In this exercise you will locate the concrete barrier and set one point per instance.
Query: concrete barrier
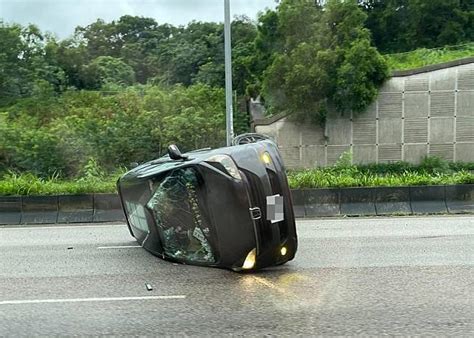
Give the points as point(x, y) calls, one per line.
point(460, 198)
point(392, 201)
point(357, 201)
point(39, 209)
point(298, 198)
point(454, 199)
point(10, 210)
point(428, 199)
point(322, 202)
point(107, 208)
point(75, 208)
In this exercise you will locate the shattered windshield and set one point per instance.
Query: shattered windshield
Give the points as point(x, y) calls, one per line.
point(181, 218)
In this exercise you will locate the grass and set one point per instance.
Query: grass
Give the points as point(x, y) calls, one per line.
point(14, 184)
point(432, 171)
point(330, 178)
point(423, 57)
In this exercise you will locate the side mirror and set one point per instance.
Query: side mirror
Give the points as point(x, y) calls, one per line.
point(175, 154)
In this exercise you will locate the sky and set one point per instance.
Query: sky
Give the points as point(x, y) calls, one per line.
point(62, 16)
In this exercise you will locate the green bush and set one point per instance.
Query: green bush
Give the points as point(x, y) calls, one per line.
point(329, 178)
point(434, 165)
point(327, 61)
point(30, 184)
point(59, 135)
point(92, 179)
point(431, 171)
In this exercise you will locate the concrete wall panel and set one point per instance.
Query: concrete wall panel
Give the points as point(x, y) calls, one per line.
point(390, 131)
point(364, 131)
point(312, 134)
point(444, 79)
point(370, 113)
point(442, 104)
point(290, 133)
point(269, 130)
point(417, 113)
point(339, 131)
point(335, 152)
point(442, 130)
point(414, 153)
point(417, 83)
point(465, 104)
point(465, 129)
point(364, 154)
point(416, 104)
point(444, 151)
point(291, 155)
point(416, 130)
point(466, 77)
point(390, 105)
point(314, 156)
point(390, 153)
point(395, 84)
point(465, 152)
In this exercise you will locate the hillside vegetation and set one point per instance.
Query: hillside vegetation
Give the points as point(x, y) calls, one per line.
point(119, 92)
point(424, 57)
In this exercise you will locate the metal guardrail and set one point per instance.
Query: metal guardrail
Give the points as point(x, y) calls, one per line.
point(451, 199)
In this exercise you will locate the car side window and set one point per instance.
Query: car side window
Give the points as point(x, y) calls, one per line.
point(136, 215)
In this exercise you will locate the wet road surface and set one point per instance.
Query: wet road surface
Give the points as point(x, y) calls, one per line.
point(397, 276)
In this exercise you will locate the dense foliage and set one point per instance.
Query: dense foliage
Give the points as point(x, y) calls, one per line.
point(120, 53)
point(121, 91)
point(311, 33)
point(327, 60)
point(60, 134)
point(403, 25)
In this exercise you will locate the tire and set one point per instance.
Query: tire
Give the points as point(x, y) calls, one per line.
point(249, 138)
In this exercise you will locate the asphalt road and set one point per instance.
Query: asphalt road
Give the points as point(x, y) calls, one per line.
point(396, 276)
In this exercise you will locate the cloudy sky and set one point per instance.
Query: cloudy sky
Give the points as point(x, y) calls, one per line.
point(62, 16)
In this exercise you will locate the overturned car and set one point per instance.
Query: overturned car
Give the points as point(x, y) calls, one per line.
point(228, 207)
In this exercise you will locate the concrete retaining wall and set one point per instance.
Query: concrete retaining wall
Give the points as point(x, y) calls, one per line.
point(426, 111)
point(452, 199)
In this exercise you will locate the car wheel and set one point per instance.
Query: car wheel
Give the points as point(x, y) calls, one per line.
point(249, 138)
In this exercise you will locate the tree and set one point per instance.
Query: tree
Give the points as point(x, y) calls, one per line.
point(267, 43)
point(436, 23)
point(24, 63)
point(107, 70)
point(333, 64)
point(403, 25)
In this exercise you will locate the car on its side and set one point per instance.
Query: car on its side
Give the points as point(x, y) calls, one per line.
point(228, 207)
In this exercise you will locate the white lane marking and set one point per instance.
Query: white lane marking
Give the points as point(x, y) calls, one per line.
point(119, 247)
point(379, 218)
point(78, 300)
point(60, 227)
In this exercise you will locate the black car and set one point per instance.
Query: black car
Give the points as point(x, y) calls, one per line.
point(228, 207)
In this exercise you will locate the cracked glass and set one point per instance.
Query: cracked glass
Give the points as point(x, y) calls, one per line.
point(180, 215)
